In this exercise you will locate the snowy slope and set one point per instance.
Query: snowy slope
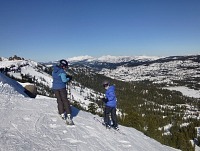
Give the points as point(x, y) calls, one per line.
point(9, 86)
point(27, 67)
point(33, 124)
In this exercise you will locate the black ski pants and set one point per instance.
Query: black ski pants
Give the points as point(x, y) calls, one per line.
point(110, 110)
point(62, 100)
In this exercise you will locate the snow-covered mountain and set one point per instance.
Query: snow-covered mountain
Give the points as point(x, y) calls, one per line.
point(168, 70)
point(171, 70)
point(111, 59)
point(34, 72)
point(18, 69)
point(34, 124)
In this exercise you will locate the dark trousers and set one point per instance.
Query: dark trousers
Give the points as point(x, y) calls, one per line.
point(110, 110)
point(63, 102)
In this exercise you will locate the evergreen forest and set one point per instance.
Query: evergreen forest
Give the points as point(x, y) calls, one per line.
point(149, 108)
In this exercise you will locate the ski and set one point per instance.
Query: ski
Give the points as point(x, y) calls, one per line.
point(111, 128)
point(96, 119)
point(70, 122)
point(99, 121)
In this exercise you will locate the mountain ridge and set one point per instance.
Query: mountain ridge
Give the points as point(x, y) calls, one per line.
point(171, 70)
point(110, 58)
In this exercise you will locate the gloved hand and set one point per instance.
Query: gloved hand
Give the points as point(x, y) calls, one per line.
point(105, 100)
point(69, 77)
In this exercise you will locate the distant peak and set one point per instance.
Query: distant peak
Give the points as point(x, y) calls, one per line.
point(143, 57)
point(115, 59)
point(111, 59)
point(80, 58)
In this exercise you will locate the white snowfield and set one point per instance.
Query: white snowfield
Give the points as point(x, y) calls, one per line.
point(33, 125)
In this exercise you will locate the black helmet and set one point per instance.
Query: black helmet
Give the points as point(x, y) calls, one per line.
point(106, 83)
point(63, 63)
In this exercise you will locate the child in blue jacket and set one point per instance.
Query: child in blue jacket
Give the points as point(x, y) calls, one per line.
point(110, 106)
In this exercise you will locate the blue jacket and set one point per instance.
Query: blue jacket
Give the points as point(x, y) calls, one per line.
point(110, 95)
point(59, 78)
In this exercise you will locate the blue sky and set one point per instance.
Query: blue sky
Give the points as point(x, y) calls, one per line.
point(47, 30)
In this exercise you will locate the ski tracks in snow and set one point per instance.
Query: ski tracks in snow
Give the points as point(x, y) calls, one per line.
point(34, 125)
point(110, 136)
point(31, 124)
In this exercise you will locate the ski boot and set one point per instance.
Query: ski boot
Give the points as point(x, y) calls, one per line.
point(69, 120)
point(63, 116)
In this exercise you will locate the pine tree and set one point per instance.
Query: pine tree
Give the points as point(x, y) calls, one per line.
point(92, 108)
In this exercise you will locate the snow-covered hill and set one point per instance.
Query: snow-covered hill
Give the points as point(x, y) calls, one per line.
point(33, 124)
point(110, 59)
point(171, 70)
point(33, 69)
point(9, 86)
point(165, 72)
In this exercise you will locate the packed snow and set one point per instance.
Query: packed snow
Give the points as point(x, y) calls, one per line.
point(34, 124)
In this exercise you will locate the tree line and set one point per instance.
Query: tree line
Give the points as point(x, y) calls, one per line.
point(149, 108)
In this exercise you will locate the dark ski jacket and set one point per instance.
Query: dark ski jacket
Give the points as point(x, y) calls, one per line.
point(59, 78)
point(110, 95)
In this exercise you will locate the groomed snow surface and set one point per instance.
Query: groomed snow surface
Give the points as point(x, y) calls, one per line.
point(33, 125)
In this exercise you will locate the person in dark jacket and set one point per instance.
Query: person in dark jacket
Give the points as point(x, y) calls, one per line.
point(110, 101)
point(60, 79)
